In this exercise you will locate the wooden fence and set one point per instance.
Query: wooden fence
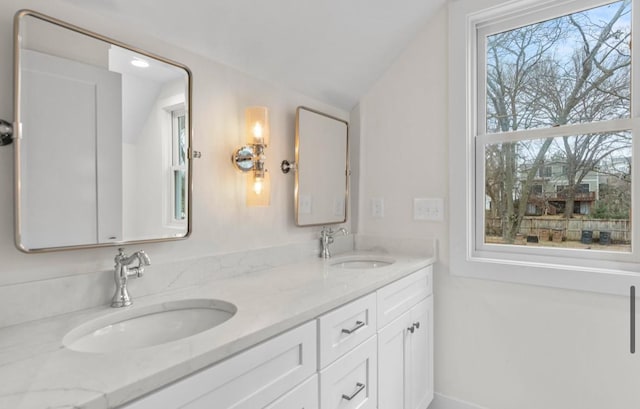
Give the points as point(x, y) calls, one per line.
point(572, 229)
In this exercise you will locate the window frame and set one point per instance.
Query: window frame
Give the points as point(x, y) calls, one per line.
point(175, 164)
point(599, 271)
point(168, 106)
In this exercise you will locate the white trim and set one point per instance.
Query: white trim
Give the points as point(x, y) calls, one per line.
point(614, 125)
point(613, 277)
point(176, 167)
point(441, 401)
point(507, 16)
point(171, 105)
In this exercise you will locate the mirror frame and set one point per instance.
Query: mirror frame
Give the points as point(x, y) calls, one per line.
point(297, 173)
point(18, 133)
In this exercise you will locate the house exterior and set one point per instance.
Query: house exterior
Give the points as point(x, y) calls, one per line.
point(548, 191)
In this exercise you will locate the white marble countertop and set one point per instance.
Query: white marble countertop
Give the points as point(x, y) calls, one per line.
point(37, 371)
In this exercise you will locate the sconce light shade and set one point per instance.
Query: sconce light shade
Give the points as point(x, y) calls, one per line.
point(259, 189)
point(257, 124)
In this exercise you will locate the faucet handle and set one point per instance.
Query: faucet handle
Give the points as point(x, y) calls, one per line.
point(143, 258)
point(120, 255)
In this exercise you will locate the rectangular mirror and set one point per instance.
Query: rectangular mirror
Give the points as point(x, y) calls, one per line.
point(102, 143)
point(322, 163)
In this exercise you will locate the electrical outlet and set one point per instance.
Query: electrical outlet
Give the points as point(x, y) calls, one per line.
point(377, 207)
point(431, 209)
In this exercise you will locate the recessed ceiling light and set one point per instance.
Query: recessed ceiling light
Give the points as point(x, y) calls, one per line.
point(137, 62)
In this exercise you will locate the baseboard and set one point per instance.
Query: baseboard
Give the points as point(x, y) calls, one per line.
point(445, 402)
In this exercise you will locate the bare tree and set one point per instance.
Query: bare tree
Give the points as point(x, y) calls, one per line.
point(512, 100)
point(530, 84)
point(601, 90)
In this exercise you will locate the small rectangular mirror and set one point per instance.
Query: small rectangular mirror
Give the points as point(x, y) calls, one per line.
point(103, 139)
point(322, 163)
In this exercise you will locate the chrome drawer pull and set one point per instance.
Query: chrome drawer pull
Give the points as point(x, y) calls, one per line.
point(416, 325)
point(411, 329)
point(359, 324)
point(359, 386)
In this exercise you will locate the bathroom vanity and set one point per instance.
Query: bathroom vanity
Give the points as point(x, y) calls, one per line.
point(321, 334)
point(375, 351)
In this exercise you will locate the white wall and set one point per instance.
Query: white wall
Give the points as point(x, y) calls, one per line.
point(222, 222)
point(498, 345)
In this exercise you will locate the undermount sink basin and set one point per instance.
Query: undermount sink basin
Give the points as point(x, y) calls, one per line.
point(148, 326)
point(362, 262)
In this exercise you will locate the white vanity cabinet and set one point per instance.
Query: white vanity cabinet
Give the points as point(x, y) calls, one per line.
point(405, 344)
point(253, 379)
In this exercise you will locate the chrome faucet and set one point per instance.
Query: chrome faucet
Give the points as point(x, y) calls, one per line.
point(326, 238)
point(122, 273)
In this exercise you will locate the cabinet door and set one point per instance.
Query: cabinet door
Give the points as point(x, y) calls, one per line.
point(54, 211)
point(303, 396)
point(420, 356)
point(392, 355)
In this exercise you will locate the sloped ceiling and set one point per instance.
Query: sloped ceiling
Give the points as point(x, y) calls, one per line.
point(332, 50)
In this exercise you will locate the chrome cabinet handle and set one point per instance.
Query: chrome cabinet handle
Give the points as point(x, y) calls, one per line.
point(359, 388)
point(416, 325)
point(359, 324)
point(632, 310)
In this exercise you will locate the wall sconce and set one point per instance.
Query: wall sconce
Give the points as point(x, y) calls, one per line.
point(250, 158)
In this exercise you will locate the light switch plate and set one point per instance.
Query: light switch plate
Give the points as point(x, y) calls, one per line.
point(304, 204)
point(430, 209)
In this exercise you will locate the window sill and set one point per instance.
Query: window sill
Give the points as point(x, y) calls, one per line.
point(615, 280)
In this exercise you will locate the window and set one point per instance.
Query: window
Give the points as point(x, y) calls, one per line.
point(536, 189)
point(178, 165)
point(549, 133)
point(555, 90)
point(544, 171)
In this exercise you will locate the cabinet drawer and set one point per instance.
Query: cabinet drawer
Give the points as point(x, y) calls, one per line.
point(304, 396)
point(249, 380)
point(344, 328)
point(396, 298)
point(351, 381)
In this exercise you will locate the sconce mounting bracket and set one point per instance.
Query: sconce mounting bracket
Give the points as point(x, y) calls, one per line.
point(286, 166)
point(6, 133)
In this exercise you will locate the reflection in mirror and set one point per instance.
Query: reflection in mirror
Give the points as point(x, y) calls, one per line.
point(322, 164)
point(102, 156)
